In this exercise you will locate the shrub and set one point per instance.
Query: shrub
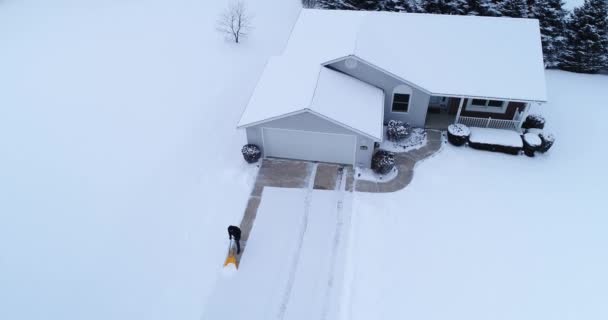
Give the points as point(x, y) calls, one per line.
point(458, 134)
point(383, 162)
point(251, 153)
point(534, 121)
point(532, 143)
point(397, 130)
point(533, 130)
point(547, 141)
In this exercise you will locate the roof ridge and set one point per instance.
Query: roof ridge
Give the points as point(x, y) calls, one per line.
point(314, 92)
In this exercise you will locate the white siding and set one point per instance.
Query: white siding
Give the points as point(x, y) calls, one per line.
point(307, 145)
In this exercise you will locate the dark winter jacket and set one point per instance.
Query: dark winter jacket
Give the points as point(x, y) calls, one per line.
point(234, 232)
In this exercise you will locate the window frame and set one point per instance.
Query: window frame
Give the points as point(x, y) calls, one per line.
point(486, 107)
point(409, 101)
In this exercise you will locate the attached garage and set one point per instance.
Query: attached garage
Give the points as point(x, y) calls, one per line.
point(307, 145)
point(337, 119)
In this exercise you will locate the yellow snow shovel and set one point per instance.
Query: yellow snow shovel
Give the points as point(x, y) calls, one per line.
point(231, 258)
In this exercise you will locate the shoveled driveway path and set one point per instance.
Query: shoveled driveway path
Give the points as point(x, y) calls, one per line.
point(289, 174)
point(324, 176)
point(405, 163)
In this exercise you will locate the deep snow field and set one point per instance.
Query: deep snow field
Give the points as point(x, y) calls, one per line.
point(120, 169)
point(480, 235)
point(120, 165)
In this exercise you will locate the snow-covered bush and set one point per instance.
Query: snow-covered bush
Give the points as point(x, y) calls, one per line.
point(251, 153)
point(458, 134)
point(397, 130)
point(533, 130)
point(547, 141)
point(534, 121)
point(532, 143)
point(383, 162)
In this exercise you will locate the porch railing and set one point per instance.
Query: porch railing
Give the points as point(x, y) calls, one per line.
point(490, 123)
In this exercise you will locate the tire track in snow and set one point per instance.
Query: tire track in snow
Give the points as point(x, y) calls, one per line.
point(335, 246)
point(296, 259)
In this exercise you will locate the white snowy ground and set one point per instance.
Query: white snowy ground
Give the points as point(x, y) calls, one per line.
point(480, 235)
point(119, 171)
point(119, 159)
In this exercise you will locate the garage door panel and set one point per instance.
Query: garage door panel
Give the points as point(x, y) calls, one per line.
point(306, 145)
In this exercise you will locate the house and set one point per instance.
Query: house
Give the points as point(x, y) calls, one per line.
point(344, 74)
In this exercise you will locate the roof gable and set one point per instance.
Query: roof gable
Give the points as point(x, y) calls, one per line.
point(332, 92)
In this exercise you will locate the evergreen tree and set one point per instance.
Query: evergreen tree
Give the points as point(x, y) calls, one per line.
point(514, 8)
point(531, 4)
point(587, 38)
point(551, 16)
point(481, 8)
point(444, 6)
point(401, 6)
point(368, 5)
point(492, 8)
point(329, 4)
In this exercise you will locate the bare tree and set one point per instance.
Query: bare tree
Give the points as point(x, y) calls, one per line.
point(235, 22)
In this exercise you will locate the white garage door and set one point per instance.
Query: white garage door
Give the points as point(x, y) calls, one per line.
point(306, 145)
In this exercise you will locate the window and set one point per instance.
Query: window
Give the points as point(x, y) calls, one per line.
point(401, 102)
point(479, 102)
point(495, 103)
point(497, 106)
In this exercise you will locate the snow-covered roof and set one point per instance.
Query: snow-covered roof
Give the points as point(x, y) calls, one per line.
point(286, 89)
point(446, 55)
point(441, 54)
point(349, 101)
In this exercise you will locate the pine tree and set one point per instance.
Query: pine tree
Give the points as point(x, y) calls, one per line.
point(481, 8)
point(514, 8)
point(444, 6)
point(587, 38)
point(368, 5)
point(551, 16)
point(329, 4)
point(401, 6)
point(531, 4)
point(494, 8)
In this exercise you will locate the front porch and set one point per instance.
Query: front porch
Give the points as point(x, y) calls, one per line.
point(496, 114)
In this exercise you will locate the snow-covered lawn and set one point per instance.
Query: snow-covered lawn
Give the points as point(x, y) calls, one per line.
point(120, 170)
point(120, 165)
point(480, 235)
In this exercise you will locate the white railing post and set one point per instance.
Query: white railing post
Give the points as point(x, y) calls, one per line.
point(459, 109)
point(489, 123)
point(523, 116)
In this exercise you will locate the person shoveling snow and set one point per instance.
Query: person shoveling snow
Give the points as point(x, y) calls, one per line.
point(234, 233)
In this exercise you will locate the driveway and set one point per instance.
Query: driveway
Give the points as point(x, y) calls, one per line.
point(294, 264)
